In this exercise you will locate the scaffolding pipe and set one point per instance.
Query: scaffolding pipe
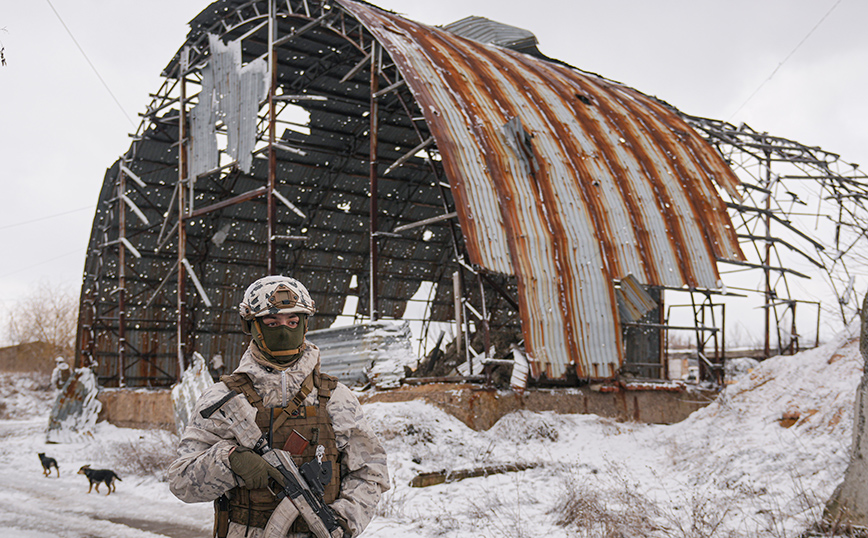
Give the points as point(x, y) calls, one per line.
point(182, 224)
point(486, 335)
point(456, 291)
point(374, 128)
point(768, 256)
point(272, 129)
point(122, 280)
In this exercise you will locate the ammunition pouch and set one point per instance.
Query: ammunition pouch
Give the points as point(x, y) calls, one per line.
point(253, 507)
point(221, 517)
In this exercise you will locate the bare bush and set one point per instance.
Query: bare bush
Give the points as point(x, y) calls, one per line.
point(702, 515)
point(393, 502)
point(49, 314)
point(500, 516)
point(149, 455)
point(616, 510)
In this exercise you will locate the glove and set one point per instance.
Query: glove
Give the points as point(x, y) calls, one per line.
point(251, 468)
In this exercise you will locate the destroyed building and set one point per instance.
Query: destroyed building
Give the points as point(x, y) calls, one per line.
point(372, 157)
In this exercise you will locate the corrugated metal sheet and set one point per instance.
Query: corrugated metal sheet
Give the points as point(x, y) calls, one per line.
point(489, 31)
point(368, 353)
point(633, 301)
point(203, 155)
point(231, 94)
point(567, 180)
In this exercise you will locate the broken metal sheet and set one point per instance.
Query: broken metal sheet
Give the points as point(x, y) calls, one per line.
point(194, 381)
point(367, 353)
point(203, 155)
point(566, 180)
point(474, 366)
point(496, 33)
point(76, 408)
point(520, 370)
point(231, 94)
point(253, 90)
point(633, 301)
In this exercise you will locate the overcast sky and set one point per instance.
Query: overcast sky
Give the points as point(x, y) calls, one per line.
point(794, 68)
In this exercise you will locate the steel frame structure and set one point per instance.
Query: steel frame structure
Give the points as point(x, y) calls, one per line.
point(368, 125)
point(802, 213)
point(801, 207)
point(105, 322)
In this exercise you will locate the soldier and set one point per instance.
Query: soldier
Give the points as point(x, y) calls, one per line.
point(60, 374)
point(217, 367)
point(302, 409)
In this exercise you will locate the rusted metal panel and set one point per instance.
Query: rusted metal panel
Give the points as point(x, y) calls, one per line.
point(633, 301)
point(566, 180)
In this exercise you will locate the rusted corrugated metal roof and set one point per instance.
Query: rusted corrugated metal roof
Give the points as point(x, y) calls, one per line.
point(566, 180)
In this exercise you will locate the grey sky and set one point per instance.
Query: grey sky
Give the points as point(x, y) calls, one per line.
point(60, 129)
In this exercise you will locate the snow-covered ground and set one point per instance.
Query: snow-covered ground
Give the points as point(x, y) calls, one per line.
point(731, 469)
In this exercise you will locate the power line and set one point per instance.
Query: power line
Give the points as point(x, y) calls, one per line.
point(91, 64)
point(46, 217)
point(76, 251)
point(823, 18)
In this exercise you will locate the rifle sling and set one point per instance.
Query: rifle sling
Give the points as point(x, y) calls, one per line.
point(306, 386)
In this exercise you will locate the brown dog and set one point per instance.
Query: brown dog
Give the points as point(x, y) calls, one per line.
point(95, 476)
point(47, 464)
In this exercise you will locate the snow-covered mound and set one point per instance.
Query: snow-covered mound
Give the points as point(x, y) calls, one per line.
point(759, 461)
point(775, 443)
point(25, 395)
point(790, 413)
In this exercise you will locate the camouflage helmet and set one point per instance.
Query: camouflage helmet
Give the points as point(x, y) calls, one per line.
point(275, 295)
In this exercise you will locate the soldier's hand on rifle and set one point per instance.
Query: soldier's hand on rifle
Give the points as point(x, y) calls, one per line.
point(251, 468)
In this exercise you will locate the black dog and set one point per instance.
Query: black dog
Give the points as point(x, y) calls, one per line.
point(95, 476)
point(47, 464)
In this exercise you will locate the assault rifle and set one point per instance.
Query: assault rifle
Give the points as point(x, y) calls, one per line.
point(302, 492)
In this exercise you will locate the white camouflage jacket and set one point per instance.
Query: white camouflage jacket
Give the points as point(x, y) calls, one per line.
point(202, 473)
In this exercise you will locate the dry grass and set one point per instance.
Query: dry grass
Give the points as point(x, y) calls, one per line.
point(609, 504)
point(595, 509)
point(149, 455)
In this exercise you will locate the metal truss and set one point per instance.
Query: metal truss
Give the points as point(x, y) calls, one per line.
point(802, 213)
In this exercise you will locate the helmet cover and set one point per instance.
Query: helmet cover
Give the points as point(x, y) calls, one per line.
point(275, 294)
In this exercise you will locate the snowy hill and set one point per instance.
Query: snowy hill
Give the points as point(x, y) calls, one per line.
point(758, 462)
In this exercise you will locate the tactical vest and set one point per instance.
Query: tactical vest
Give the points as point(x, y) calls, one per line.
point(253, 507)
